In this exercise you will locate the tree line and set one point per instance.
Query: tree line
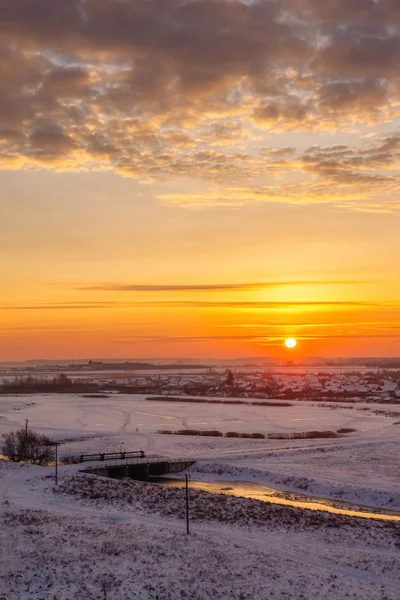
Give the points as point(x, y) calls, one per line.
point(31, 384)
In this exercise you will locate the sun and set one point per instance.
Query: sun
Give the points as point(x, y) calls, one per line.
point(290, 343)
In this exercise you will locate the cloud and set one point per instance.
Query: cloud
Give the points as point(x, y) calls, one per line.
point(190, 304)
point(364, 177)
point(151, 89)
point(209, 287)
point(258, 339)
point(353, 97)
point(60, 306)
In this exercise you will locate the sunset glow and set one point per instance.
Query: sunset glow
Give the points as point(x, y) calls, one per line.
point(199, 179)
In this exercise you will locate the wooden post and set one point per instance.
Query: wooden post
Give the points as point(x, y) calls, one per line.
point(56, 475)
point(187, 504)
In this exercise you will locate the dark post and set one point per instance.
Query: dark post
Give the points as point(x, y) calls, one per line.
point(187, 504)
point(26, 429)
point(56, 477)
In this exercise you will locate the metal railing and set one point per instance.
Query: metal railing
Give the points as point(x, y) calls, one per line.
point(103, 456)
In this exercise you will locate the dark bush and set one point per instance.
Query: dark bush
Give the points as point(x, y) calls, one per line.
point(320, 434)
point(346, 430)
point(250, 436)
point(213, 433)
point(28, 445)
point(187, 432)
point(303, 435)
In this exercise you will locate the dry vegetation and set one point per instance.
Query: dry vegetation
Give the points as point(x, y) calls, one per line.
point(296, 435)
point(217, 401)
point(65, 557)
point(145, 498)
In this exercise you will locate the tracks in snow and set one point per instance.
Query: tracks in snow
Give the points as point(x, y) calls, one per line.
point(264, 543)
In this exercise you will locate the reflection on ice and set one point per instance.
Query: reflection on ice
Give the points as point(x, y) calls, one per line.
point(255, 491)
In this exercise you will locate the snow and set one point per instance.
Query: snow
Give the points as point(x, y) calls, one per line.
point(97, 538)
point(66, 414)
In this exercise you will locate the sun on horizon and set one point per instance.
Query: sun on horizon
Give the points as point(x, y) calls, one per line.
point(290, 343)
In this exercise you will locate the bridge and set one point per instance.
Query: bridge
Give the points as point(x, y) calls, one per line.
point(142, 469)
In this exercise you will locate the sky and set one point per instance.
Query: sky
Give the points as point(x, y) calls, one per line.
point(199, 178)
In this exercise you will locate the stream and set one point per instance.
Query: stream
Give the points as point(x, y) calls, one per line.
point(256, 491)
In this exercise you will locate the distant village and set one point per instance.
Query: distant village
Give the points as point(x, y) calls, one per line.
point(370, 386)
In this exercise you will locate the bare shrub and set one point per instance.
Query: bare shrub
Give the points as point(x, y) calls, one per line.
point(10, 446)
point(252, 436)
point(303, 435)
point(210, 433)
point(28, 445)
point(110, 548)
point(269, 403)
point(346, 430)
point(106, 582)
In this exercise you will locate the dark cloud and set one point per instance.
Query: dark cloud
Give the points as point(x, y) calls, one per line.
point(48, 138)
point(344, 96)
point(287, 112)
point(65, 82)
point(354, 56)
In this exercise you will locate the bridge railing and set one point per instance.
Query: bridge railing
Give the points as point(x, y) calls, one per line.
point(102, 456)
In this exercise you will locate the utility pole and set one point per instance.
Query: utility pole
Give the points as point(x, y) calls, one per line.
point(187, 504)
point(56, 473)
point(26, 429)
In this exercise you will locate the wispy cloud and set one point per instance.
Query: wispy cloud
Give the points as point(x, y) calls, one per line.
point(260, 339)
point(195, 304)
point(61, 306)
point(210, 287)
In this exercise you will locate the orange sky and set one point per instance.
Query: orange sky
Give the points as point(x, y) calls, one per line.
point(199, 179)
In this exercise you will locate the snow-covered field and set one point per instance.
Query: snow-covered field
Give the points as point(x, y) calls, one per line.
point(97, 538)
point(65, 415)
